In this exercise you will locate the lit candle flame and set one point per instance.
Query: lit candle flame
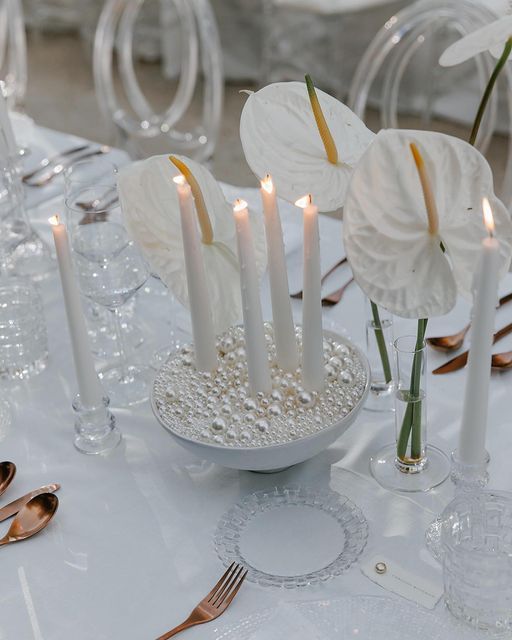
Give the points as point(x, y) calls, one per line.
point(267, 184)
point(54, 220)
point(239, 205)
point(488, 217)
point(304, 201)
point(179, 179)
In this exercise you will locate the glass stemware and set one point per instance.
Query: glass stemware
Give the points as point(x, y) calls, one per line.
point(111, 270)
point(102, 334)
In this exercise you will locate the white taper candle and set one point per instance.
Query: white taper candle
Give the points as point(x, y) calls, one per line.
point(199, 298)
point(89, 387)
point(255, 344)
point(476, 397)
point(313, 369)
point(287, 354)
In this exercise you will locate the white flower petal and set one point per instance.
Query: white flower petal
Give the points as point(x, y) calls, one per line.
point(394, 258)
point(280, 136)
point(492, 38)
point(151, 213)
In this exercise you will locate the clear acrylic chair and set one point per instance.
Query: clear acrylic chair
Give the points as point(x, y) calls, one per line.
point(13, 52)
point(199, 55)
point(399, 71)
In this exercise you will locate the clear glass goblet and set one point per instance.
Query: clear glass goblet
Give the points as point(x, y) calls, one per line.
point(110, 270)
point(81, 175)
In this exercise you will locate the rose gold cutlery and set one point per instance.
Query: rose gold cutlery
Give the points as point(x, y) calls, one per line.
point(333, 298)
point(48, 174)
point(46, 162)
point(13, 507)
point(215, 603)
point(298, 295)
point(502, 360)
point(461, 360)
point(454, 342)
point(32, 518)
point(7, 473)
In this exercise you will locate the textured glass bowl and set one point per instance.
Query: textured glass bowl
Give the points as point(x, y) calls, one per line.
point(292, 536)
point(356, 617)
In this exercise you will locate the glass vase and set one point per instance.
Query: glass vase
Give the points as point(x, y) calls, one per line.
point(409, 464)
point(379, 351)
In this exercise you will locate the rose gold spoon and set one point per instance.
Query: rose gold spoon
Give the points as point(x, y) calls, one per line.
point(454, 342)
point(7, 473)
point(502, 360)
point(32, 518)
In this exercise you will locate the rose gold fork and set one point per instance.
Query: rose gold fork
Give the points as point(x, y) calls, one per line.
point(215, 603)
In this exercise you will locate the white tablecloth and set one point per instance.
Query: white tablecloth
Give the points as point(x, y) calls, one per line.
point(130, 551)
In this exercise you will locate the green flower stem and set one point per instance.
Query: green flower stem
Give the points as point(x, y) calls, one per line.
point(411, 424)
point(381, 342)
point(488, 90)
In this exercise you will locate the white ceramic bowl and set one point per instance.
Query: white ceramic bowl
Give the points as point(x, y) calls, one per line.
point(277, 456)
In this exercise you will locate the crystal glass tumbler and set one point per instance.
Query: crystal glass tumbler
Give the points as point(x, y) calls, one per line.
point(23, 343)
point(476, 540)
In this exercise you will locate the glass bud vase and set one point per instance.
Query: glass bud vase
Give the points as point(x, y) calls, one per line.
point(379, 351)
point(410, 464)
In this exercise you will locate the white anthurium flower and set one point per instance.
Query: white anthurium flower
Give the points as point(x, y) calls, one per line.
point(308, 142)
point(413, 194)
point(150, 206)
point(492, 37)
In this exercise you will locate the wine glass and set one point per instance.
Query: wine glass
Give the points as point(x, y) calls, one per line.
point(78, 176)
point(110, 271)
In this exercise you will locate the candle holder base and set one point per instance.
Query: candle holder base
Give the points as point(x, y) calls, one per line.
point(465, 477)
point(393, 474)
point(469, 477)
point(95, 428)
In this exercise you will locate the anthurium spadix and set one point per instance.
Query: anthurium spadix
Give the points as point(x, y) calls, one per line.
point(306, 139)
point(413, 222)
point(151, 213)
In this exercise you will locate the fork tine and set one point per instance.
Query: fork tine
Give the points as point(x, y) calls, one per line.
point(226, 601)
point(220, 582)
point(227, 586)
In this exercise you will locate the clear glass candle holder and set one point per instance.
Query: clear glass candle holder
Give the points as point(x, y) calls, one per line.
point(466, 478)
point(409, 464)
point(379, 350)
point(476, 538)
point(95, 427)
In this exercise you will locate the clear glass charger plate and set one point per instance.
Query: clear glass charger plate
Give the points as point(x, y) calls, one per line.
point(292, 536)
point(358, 617)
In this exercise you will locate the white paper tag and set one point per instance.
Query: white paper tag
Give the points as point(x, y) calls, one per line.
point(402, 582)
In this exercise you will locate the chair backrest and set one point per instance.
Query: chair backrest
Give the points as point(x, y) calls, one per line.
point(197, 50)
point(13, 52)
point(427, 26)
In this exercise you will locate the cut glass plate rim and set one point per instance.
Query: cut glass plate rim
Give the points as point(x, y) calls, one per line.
point(437, 623)
point(331, 427)
point(232, 524)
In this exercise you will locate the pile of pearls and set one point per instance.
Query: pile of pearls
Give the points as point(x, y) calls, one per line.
point(217, 408)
